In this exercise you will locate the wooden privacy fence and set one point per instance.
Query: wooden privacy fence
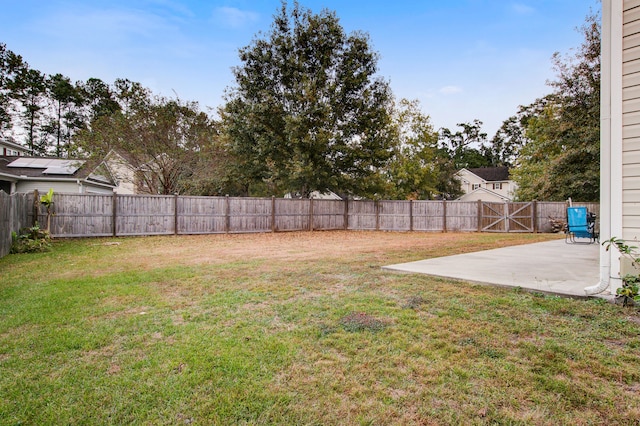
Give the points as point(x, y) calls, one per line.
point(14, 210)
point(88, 215)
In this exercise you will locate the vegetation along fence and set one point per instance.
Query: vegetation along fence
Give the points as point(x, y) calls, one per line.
point(14, 214)
point(87, 215)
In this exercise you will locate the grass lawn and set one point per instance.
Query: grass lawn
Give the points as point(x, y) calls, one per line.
point(300, 328)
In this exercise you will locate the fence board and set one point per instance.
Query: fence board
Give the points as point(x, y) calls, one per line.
point(428, 216)
point(362, 215)
point(13, 216)
point(462, 216)
point(292, 214)
point(394, 215)
point(250, 215)
point(145, 215)
point(521, 217)
point(328, 215)
point(202, 215)
point(550, 210)
point(558, 211)
point(80, 215)
point(6, 211)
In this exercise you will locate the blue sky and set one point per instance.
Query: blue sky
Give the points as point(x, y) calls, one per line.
point(462, 59)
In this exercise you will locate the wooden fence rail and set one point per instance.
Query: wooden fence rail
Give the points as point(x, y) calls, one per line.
point(89, 215)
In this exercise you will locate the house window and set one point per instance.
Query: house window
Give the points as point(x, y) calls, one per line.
point(497, 185)
point(475, 186)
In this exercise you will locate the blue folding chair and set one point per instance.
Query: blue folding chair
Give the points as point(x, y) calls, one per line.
point(580, 225)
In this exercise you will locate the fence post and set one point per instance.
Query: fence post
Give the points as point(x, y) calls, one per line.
point(480, 216)
point(227, 214)
point(346, 214)
point(534, 216)
point(175, 214)
point(410, 215)
point(377, 210)
point(273, 213)
point(506, 217)
point(444, 215)
point(310, 214)
point(36, 207)
point(114, 212)
point(13, 208)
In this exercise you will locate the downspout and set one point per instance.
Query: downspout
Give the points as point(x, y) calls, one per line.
point(607, 102)
point(610, 139)
point(605, 272)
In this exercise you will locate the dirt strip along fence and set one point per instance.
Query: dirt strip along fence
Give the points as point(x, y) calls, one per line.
point(89, 215)
point(14, 214)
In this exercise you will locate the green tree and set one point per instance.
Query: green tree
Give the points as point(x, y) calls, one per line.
point(28, 90)
point(162, 139)
point(7, 71)
point(505, 147)
point(67, 102)
point(537, 156)
point(562, 156)
point(99, 97)
point(413, 172)
point(308, 112)
point(465, 147)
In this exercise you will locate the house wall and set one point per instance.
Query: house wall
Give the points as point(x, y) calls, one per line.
point(43, 187)
point(11, 149)
point(482, 196)
point(469, 179)
point(61, 187)
point(631, 120)
point(123, 174)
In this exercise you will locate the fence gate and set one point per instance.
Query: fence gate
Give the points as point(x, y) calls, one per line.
point(507, 217)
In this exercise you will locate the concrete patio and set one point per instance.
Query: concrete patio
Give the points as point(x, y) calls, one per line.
point(550, 267)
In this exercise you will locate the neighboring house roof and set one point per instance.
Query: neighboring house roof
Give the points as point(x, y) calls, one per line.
point(46, 169)
point(491, 174)
point(121, 155)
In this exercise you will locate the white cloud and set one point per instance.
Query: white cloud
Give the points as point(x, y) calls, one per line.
point(110, 26)
point(450, 90)
point(235, 18)
point(522, 9)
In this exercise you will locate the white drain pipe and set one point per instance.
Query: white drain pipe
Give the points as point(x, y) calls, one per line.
point(605, 268)
point(610, 139)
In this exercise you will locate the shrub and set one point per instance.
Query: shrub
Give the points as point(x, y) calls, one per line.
point(30, 240)
point(629, 293)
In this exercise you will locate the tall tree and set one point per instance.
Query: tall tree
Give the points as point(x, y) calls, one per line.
point(99, 97)
point(562, 157)
point(28, 89)
point(505, 147)
point(131, 96)
point(308, 112)
point(66, 100)
point(465, 146)
point(162, 139)
point(7, 70)
point(412, 174)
